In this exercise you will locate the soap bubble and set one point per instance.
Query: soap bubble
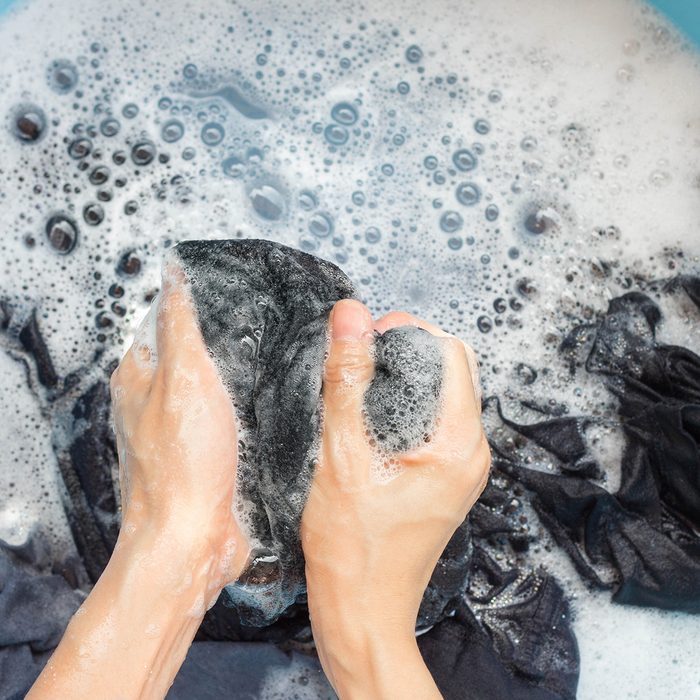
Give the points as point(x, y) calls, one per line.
point(62, 76)
point(307, 200)
point(344, 113)
point(268, 202)
point(414, 54)
point(468, 193)
point(80, 148)
point(491, 212)
point(212, 133)
point(93, 214)
point(62, 233)
point(372, 235)
point(172, 130)
point(143, 152)
point(464, 160)
point(321, 225)
point(233, 167)
point(110, 127)
point(130, 110)
point(335, 134)
point(28, 123)
point(451, 221)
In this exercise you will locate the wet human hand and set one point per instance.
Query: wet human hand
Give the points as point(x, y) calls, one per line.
point(177, 435)
point(371, 544)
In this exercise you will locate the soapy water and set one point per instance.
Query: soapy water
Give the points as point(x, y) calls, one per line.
point(501, 173)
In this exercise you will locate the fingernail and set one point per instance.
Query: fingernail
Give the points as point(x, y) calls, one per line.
point(350, 320)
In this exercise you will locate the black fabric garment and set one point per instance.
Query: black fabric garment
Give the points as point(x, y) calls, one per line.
point(523, 651)
point(648, 530)
point(263, 312)
point(35, 606)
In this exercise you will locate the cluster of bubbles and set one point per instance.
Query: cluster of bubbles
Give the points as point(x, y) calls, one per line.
point(488, 182)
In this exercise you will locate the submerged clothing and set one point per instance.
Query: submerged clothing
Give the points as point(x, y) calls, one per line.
point(489, 606)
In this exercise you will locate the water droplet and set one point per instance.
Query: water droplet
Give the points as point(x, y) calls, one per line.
point(430, 162)
point(403, 87)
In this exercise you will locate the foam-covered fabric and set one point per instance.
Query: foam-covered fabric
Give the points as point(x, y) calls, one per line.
point(487, 595)
point(646, 532)
point(263, 312)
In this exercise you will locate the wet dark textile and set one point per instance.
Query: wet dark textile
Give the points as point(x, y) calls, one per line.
point(646, 532)
point(263, 312)
point(35, 606)
point(502, 629)
point(521, 651)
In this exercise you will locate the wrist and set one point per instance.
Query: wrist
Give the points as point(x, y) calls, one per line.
point(213, 548)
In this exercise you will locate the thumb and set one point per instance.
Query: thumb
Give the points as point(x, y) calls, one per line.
point(348, 371)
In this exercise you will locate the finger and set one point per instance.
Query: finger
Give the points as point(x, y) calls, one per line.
point(348, 371)
point(395, 319)
point(177, 330)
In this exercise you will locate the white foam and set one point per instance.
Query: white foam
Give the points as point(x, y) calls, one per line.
point(596, 136)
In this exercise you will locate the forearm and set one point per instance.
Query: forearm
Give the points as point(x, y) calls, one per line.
point(368, 648)
point(131, 635)
point(382, 667)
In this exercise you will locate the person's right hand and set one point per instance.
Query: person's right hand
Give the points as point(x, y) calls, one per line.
point(371, 545)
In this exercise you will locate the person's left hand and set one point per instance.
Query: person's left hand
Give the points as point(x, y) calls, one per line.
point(177, 436)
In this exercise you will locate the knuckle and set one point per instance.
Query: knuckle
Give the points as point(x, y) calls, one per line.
point(348, 364)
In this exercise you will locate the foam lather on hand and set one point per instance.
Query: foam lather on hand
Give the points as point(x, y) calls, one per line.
point(263, 312)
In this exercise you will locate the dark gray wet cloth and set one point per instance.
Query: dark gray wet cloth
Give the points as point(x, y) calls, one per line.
point(502, 626)
point(263, 312)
